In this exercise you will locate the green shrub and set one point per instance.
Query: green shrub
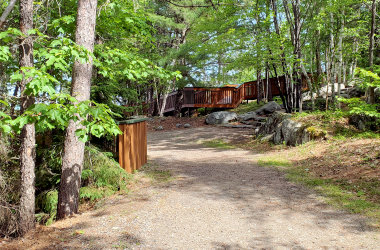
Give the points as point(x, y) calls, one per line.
point(103, 172)
point(47, 203)
point(101, 176)
point(94, 193)
point(9, 186)
point(316, 132)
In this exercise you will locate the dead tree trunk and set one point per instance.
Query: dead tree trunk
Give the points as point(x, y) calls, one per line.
point(72, 159)
point(28, 140)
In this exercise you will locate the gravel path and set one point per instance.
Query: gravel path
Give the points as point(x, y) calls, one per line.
point(219, 199)
point(223, 200)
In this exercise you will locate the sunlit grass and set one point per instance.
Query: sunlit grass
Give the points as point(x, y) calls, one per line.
point(155, 174)
point(218, 143)
point(274, 162)
point(247, 107)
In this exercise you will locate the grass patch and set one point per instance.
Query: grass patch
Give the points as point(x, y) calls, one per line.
point(218, 143)
point(274, 162)
point(344, 133)
point(155, 174)
point(334, 123)
point(247, 107)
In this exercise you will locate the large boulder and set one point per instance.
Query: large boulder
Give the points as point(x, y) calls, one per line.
point(268, 108)
point(355, 92)
point(220, 117)
point(377, 95)
point(248, 116)
point(272, 123)
point(364, 122)
point(279, 128)
point(293, 133)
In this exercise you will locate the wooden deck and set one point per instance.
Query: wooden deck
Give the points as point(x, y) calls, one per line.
point(224, 97)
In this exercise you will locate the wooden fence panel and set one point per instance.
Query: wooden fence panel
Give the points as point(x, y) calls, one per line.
point(133, 144)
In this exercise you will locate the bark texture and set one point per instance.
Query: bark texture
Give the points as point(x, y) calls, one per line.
point(371, 90)
point(72, 160)
point(28, 140)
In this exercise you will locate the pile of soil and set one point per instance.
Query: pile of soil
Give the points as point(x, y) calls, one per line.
point(170, 122)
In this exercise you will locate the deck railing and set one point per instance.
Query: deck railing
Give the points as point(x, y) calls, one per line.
point(225, 97)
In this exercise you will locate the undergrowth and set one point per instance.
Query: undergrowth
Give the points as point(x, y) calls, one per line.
point(333, 123)
point(247, 107)
point(102, 176)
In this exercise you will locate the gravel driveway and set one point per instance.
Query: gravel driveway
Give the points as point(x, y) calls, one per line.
point(219, 199)
point(223, 200)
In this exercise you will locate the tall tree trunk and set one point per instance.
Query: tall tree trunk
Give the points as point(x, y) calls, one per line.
point(178, 103)
point(340, 57)
point(371, 90)
point(258, 86)
point(318, 55)
point(279, 87)
point(344, 80)
point(295, 35)
point(283, 62)
point(355, 60)
point(6, 12)
point(327, 57)
point(297, 52)
point(28, 139)
point(310, 86)
point(163, 104)
point(72, 160)
point(332, 63)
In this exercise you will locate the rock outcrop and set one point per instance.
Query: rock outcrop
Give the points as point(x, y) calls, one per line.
point(364, 122)
point(248, 116)
point(279, 128)
point(221, 117)
point(256, 117)
point(268, 108)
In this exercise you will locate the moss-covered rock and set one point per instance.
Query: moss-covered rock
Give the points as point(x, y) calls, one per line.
point(280, 129)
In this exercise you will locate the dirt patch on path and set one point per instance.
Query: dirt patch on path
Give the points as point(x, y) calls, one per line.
point(219, 199)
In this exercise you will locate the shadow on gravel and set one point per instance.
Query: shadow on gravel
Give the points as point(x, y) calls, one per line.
point(256, 190)
point(265, 243)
